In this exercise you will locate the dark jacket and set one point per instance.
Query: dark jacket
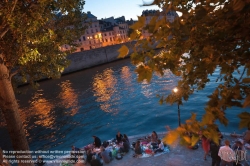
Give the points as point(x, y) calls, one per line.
point(97, 142)
point(95, 162)
point(119, 139)
point(214, 151)
point(138, 150)
point(126, 146)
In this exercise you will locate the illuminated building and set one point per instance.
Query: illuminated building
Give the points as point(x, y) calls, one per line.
point(149, 14)
point(101, 33)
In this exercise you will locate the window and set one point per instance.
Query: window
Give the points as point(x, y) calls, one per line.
point(106, 40)
point(92, 31)
point(83, 38)
point(95, 25)
point(105, 34)
point(109, 34)
point(82, 49)
point(89, 42)
point(111, 39)
point(96, 30)
point(80, 40)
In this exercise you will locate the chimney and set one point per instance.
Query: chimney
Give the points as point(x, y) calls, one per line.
point(89, 12)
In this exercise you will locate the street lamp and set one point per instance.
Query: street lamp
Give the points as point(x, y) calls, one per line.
point(179, 117)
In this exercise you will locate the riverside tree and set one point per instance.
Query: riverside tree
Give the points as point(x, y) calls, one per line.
point(31, 35)
point(209, 35)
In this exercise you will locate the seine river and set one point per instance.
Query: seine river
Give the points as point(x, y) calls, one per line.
point(101, 101)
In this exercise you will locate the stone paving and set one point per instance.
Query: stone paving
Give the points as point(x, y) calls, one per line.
point(178, 156)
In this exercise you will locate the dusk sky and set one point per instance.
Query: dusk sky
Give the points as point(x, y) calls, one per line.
point(116, 8)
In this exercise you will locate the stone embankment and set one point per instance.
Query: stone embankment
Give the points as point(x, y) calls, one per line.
point(94, 57)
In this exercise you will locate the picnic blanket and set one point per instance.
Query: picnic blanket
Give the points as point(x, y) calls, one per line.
point(166, 150)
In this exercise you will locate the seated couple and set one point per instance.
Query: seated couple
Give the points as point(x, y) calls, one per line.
point(157, 149)
point(95, 159)
point(120, 137)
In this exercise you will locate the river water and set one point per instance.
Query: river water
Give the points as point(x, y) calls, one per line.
point(101, 101)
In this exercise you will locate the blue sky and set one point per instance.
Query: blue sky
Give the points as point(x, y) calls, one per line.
point(116, 8)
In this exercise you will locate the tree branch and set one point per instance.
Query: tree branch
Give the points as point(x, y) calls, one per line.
point(4, 32)
point(6, 29)
point(242, 73)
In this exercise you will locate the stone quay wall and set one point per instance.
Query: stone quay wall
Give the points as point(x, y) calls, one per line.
point(98, 56)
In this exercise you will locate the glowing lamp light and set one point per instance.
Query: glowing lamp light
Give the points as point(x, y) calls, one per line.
point(175, 90)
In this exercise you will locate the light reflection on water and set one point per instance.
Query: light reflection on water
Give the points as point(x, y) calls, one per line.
point(68, 97)
point(100, 101)
point(104, 88)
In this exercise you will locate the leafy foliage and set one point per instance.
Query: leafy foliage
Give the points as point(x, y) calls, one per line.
point(32, 33)
point(209, 36)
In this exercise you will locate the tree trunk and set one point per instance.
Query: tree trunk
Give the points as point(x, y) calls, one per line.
point(9, 107)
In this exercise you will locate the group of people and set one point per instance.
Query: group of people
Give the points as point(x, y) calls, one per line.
point(228, 154)
point(107, 153)
point(156, 144)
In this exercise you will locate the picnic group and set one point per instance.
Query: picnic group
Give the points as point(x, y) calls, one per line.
point(98, 153)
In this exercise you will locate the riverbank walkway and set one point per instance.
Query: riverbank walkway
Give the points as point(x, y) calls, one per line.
point(178, 156)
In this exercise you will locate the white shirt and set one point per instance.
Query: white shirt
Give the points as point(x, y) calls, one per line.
point(161, 146)
point(226, 153)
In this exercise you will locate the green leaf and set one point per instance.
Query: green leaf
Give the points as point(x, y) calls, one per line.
point(171, 137)
point(244, 120)
point(140, 23)
point(194, 140)
point(123, 51)
point(144, 73)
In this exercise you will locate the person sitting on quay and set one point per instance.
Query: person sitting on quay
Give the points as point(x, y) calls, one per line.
point(138, 151)
point(246, 136)
point(125, 147)
point(154, 140)
point(154, 137)
point(160, 147)
point(105, 155)
point(95, 161)
point(226, 154)
point(89, 155)
point(119, 137)
point(97, 142)
point(39, 161)
point(75, 153)
point(126, 137)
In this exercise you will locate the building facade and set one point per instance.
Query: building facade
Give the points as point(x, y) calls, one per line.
point(149, 14)
point(101, 33)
